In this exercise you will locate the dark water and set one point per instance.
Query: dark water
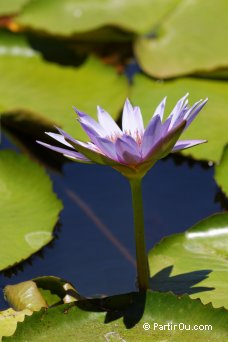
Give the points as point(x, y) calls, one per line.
point(94, 246)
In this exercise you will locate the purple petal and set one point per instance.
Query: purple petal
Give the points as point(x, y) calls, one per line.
point(126, 151)
point(194, 112)
point(67, 153)
point(59, 138)
point(132, 122)
point(89, 124)
point(92, 151)
point(165, 144)
point(107, 122)
point(127, 116)
point(78, 112)
point(107, 147)
point(165, 126)
point(92, 133)
point(131, 141)
point(183, 144)
point(160, 109)
point(73, 141)
point(178, 105)
point(191, 109)
point(137, 120)
point(66, 135)
point(151, 135)
point(178, 111)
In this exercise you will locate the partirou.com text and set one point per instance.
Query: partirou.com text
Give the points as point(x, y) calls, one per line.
point(177, 326)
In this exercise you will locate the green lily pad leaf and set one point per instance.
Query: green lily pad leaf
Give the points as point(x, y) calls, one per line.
point(11, 6)
point(67, 17)
point(28, 208)
point(186, 41)
point(211, 123)
point(111, 322)
point(221, 172)
point(45, 92)
point(9, 319)
point(194, 262)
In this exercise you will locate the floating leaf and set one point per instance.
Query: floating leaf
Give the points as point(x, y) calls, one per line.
point(28, 208)
point(194, 262)
point(211, 124)
point(45, 92)
point(65, 17)
point(9, 319)
point(79, 323)
point(11, 6)
point(221, 172)
point(190, 39)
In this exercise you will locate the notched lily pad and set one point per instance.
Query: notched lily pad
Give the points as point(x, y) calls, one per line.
point(194, 262)
point(32, 295)
point(9, 319)
point(28, 208)
point(108, 320)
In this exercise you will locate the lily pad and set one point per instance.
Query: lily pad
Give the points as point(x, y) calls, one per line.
point(45, 92)
point(189, 40)
point(65, 17)
point(28, 208)
point(194, 262)
point(211, 123)
point(11, 6)
point(111, 321)
point(9, 319)
point(221, 172)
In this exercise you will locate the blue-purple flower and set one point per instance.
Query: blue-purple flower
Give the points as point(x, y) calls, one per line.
point(134, 149)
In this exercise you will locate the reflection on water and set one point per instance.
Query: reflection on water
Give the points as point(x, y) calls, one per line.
point(95, 245)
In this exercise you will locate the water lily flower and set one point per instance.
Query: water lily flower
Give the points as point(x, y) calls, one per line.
point(134, 149)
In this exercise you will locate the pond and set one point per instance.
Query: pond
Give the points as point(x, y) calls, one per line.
point(94, 242)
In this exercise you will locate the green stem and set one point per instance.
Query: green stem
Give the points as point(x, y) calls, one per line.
point(141, 255)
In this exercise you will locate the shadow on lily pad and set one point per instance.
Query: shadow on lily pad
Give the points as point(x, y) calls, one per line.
point(129, 306)
point(181, 283)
